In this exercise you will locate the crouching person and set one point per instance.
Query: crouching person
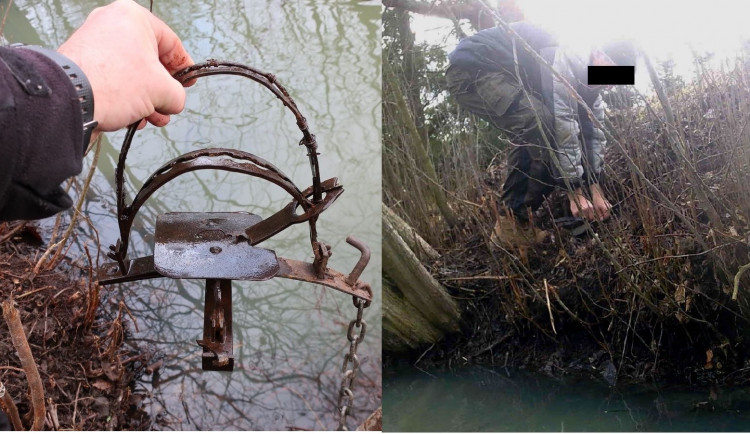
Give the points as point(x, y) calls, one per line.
point(554, 143)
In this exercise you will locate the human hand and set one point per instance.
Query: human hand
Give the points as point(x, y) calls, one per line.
point(602, 206)
point(129, 56)
point(580, 206)
point(598, 208)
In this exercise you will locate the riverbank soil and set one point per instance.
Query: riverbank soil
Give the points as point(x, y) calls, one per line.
point(76, 344)
point(657, 292)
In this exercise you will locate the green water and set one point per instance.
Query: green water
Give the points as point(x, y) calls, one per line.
point(480, 399)
point(289, 336)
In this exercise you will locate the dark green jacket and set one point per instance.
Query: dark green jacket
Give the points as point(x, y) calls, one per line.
point(576, 139)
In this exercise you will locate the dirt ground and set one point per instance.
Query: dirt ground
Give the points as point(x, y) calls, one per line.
point(76, 343)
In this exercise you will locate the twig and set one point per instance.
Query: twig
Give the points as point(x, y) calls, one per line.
point(458, 279)
point(34, 291)
point(55, 229)
point(21, 345)
point(12, 232)
point(687, 255)
point(75, 406)
point(423, 354)
point(493, 345)
point(58, 246)
point(53, 419)
point(154, 366)
point(549, 307)
point(7, 9)
point(9, 407)
point(92, 303)
point(130, 314)
point(424, 372)
point(62, 290)
point(737, 277)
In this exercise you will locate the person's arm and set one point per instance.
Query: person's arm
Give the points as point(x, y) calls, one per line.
point(41, 135)
point(568, 148)
point(568, 126)
point(595, 142)
point(128, 56)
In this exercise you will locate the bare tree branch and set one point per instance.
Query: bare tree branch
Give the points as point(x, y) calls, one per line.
point(474, 10)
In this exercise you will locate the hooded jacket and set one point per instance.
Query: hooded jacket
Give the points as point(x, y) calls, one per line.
point(577, 143)
point(41, 135)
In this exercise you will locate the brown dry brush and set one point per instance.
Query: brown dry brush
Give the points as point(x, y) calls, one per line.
point(649, 291)
point(84, 375)
point(21, 344)
point(75, 345)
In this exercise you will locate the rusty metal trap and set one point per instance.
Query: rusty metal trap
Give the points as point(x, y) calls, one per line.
point(221, 246)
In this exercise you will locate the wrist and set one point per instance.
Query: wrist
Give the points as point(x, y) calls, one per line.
point(596, 191)
point(575, 194)
point(79, 81)
point(72, 51)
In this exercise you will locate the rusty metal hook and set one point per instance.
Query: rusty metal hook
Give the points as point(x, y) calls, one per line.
point(364, 259)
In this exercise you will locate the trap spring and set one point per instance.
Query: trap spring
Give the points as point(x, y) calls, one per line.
point(221, 246)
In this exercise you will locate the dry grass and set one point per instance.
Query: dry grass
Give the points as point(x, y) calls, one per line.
point(652, 287)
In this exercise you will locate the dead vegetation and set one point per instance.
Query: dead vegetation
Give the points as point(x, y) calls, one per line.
point(655, 292)
point(63, 365)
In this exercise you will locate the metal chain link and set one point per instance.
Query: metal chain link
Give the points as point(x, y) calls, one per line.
point(355, 334)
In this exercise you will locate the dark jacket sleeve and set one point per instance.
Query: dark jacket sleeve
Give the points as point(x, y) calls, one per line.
point(492, 49)
point(41, 135)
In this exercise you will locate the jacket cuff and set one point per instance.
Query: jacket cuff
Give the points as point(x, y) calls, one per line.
point(562, 183)
point(592, 178)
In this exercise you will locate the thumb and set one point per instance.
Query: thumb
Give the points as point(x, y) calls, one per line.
point(168, 97)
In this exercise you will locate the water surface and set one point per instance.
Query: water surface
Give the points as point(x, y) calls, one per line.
point(289, 336)
point(476, 399)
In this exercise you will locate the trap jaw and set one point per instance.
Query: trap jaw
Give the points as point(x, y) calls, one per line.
point(221, 246)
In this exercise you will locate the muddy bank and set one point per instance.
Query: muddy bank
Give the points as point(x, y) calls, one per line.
point(76, 339)
point(578, 304)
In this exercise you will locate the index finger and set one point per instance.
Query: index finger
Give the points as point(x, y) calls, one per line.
point(172, 53)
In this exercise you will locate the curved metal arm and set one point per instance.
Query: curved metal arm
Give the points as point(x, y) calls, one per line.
point(288, 216)
point(215, 67)
point(203, 159)
point(126, 213)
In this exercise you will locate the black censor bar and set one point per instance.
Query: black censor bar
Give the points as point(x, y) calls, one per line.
point(611, 75)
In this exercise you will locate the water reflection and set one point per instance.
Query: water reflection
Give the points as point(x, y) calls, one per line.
point(290, 337)
point(481, 399)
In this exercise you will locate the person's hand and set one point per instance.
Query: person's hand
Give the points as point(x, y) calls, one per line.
point(602, 206)
point(598, 208)
point(128, 56)
point(580, 206)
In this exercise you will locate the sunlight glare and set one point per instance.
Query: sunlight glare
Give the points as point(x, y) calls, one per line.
point(663, 28)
